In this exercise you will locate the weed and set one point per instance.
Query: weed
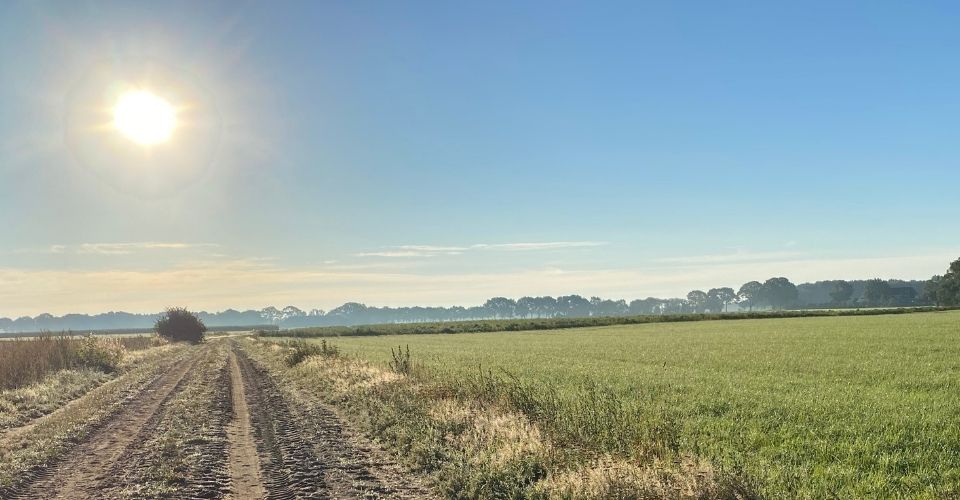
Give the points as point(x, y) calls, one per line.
point(401, 360)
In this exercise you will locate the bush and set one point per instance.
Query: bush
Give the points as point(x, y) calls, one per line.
point(179, 324)
point(100, 353)
point(301, 350)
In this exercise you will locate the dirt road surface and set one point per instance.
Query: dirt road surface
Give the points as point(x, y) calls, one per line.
point(270, 448)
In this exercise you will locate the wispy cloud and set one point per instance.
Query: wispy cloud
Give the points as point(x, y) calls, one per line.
point(128, 248)
point(114, 248)
point(550, 245)
point(435, 251)
point(739, 256)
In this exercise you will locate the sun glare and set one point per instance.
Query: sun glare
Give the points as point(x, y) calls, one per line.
point(144, 118)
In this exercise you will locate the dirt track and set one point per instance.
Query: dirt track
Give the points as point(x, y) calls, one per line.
point(253, 442)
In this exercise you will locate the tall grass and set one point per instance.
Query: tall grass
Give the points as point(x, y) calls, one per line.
point(27, 361)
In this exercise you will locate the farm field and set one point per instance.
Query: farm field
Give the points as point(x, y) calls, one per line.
point(804, 407)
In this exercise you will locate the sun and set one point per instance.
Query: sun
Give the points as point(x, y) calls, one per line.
point(144, 118)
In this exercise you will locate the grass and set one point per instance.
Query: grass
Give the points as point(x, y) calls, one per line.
point(515, 325)
point(25, 362)
point(848, 406)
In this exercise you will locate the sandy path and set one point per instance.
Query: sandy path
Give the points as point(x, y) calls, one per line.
point(244, 463)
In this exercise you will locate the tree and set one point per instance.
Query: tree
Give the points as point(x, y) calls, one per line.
point(698, 300)
point(931, 290)
point(877, 292)
point(501, 307)
point(573, 306)
point(718, 298)
point(947, 287)
point(179, 324)
point(749, 293)
point(841, 293)
point(779, 293)
point(525, 307)
point(648, 305)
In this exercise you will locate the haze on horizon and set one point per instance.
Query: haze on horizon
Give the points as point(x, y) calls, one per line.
point(438, 154)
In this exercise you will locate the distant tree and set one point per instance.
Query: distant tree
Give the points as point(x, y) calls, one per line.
point(841, 293)
point(179, 324)
point(750, 293)
point(501, 307)
point(608, 307)
point(779, 293)
point(526, 306)
point(546, 307)
point(648, 305)
point(947, 287)
point(573, 306)
point(698, 300)
point(931, 289)
point(718, 298)
point(877, 292)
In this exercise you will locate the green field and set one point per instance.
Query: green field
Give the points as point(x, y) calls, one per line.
point(816, 407)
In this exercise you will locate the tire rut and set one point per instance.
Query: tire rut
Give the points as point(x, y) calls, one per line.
point(288, 468)
point(243, 461)
point(306, 452)
point(83, 471)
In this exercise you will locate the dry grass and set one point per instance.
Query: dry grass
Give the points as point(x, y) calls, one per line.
point(28, 361)
point(607, 477)
point(483, 448)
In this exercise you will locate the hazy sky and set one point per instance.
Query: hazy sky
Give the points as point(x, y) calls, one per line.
point(444, 152)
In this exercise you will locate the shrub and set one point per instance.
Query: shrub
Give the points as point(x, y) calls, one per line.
point(179, 324)
point(301, 350)
point(100, 353)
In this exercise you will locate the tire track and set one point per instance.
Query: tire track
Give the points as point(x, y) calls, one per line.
point(243, 460)
point(83, 472)
point(289, 469)
point(306, 452)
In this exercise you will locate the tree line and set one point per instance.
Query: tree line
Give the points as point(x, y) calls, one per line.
point(775, 293)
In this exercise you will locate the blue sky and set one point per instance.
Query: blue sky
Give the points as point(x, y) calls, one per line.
point(436, 153)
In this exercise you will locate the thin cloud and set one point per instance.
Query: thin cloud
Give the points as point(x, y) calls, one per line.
point(729, 258)
point(129, 248)
point(550, 245)
point(435, 251)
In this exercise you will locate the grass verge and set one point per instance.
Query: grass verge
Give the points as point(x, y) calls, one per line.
point(475, 443)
